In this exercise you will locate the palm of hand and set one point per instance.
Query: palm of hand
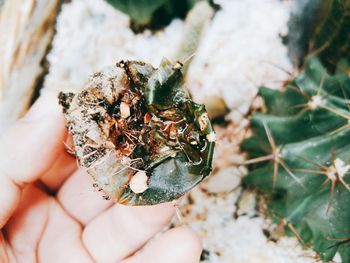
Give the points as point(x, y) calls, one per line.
point(50, 213)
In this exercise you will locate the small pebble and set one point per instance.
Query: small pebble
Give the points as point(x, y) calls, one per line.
point(124, 110)
point(225, 180)
point(138, 183)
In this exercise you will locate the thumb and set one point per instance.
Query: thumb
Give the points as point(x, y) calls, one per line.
point(28, 149)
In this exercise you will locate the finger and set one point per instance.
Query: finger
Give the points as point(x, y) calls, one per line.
point(5, 253)
point(9, 198)
point(121, 230)
point(61, 240)
point(176, 245)
point(31, 145)
point(40, 230)
point(80, 200)
point(62, 168)
point(27, 224)
point(27, 150)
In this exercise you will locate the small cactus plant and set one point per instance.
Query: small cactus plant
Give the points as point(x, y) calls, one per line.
point(138, 133)
point(300, 157)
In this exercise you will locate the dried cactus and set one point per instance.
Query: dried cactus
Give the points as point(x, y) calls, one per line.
point(300, 150)
point(138, 133)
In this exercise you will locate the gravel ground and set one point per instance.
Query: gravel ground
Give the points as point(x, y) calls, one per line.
point(241, 50)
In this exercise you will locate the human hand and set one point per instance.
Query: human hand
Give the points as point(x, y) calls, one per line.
point(50, 213)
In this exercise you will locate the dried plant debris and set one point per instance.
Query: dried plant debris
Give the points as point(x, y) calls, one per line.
point(138, 133)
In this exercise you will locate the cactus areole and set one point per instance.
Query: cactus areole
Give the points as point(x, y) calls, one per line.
point(138, 134)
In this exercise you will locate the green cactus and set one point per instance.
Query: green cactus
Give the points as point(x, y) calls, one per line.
point(332, 37)
point(300, 155)
point(320, 27)
point(152, 14)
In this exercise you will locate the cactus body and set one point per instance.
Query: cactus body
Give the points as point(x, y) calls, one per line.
point(153, 14)
point(320, 27)
point(300, 150)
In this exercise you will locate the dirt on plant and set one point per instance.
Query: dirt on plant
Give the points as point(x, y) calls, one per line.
point(124, 133)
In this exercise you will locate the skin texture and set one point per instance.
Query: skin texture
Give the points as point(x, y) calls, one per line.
point(50, 212)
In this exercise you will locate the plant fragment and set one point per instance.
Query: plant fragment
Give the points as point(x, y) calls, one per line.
point(138, 134)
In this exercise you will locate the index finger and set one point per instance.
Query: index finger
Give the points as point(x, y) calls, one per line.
point(28, 149)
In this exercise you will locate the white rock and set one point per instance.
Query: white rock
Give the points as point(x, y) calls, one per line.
point(138, 183)
point(225, 180)
point(211, 137)
point(247, 203)
point(239, 52)
point(124, 110)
